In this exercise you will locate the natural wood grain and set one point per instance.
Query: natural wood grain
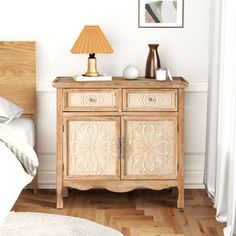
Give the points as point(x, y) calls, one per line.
point(180, 202)
point(137, 213)
point(96, 113)
point(119, 186)
point(17, 74)
point(59, 149)
point(91, 100)
point(18, 79)
point(150, 100)
point(125, 182)
point(120, 82)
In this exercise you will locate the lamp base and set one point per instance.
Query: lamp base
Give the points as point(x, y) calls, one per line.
point(92, 68)
point(91, 74)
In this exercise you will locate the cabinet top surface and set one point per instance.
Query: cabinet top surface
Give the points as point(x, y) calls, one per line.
point(120, 82)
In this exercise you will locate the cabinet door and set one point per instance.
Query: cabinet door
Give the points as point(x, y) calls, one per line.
point(149, 149)
point(92, 147)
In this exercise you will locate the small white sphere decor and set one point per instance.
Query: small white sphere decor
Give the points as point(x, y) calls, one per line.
point(131, 72)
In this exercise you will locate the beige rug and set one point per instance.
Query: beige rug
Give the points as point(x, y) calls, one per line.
point(40, 224)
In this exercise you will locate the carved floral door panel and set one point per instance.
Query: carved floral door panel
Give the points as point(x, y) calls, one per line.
point(92, 147)
point(149, 147)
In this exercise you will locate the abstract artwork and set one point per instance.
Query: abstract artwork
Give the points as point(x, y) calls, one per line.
point(165, 13)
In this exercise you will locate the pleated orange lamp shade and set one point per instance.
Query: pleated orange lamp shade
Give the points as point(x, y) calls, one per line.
point(91, 40)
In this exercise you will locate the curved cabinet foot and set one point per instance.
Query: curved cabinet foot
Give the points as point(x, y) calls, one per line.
point(180, 201)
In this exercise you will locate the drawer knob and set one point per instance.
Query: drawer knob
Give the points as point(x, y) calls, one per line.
point(92, 100)
point(150, 99)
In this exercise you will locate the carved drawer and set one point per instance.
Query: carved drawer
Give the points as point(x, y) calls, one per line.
point(90, 100)
point(150, 100)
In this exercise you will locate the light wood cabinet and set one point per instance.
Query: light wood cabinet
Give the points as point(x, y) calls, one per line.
point(120, 135)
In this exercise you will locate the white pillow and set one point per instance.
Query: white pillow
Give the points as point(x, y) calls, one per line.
point(8, 111)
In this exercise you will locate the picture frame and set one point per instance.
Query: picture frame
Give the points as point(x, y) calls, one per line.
point(161, 14)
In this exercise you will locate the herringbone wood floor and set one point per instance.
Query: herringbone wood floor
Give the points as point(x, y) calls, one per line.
point(137, 213)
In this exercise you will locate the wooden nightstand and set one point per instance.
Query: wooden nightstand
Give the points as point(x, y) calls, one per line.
point(120, 135)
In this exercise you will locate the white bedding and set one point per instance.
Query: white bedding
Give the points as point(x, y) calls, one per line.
point(35, 224)
point(13, 177)
point(25, 129)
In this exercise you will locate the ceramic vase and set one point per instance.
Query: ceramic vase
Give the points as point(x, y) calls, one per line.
point(153, 62)
point(131, 72)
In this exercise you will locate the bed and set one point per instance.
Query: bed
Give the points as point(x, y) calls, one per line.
point(17, 85)
point(25, 129)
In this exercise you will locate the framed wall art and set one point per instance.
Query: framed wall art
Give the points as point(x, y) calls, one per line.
point(161, 13)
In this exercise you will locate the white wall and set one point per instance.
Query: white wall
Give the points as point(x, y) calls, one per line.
point(55, 25)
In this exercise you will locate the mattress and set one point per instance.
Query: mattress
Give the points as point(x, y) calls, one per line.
point(25, 129)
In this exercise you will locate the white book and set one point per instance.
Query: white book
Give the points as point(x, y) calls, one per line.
point(83, 78)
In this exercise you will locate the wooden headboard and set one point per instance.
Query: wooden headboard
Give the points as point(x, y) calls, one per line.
point(17, 75)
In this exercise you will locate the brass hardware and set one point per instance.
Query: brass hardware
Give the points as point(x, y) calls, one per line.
point(93, 100)
point(122, 155)
point(92, 67)
point(150, 99)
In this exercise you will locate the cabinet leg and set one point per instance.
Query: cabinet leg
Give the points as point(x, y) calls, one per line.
point(59, 197)
point(180, 201)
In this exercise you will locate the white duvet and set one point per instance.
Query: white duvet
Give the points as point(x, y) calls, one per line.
point(41, 224)
point(13, 177)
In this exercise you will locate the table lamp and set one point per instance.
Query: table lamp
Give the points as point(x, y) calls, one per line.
point(90, 41)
